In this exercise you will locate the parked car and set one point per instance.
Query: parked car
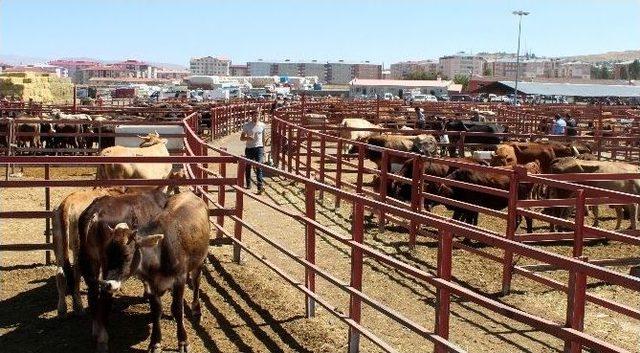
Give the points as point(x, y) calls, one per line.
point(461, 98)
point(443, 98)
point(424, 98)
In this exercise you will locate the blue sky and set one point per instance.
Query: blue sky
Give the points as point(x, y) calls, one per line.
point(380, 31)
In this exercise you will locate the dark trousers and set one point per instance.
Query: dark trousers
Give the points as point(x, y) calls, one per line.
point(254, 154)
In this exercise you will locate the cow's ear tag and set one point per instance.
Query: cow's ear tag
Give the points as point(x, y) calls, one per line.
point(149, 240)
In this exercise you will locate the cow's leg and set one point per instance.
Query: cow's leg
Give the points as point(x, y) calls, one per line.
point(529, 223)
point(596, 215)
point(619, 216)
point(156, 313)
point(61, 284)
point(75, 294)
point(177, 309)
point(104, 308)
point(633, 215)
point(195, 304)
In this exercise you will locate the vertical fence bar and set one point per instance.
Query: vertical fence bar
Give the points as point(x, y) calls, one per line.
point(47, 202)
point(416, 199)
point(443, 295)
point(355, 304)
point(360, 176)
point(310, 246)
point(237, 231)
point(323, 151)
point(297, 149)
point(578, 233)
point(339, 170)
point(308, 160)
point(507, 266)
point(575, 307)
point(384, 172)
point(289, 147)
point(222, 194)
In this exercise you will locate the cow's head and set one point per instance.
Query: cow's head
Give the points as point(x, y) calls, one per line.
point(153, 138)
point(504, 155)
point(123, 254)
point(426, 144)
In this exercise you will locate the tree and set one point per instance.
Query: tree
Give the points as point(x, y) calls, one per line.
point(487, 71)
point(421, 75)
point(634, 70)
point(606, 73)
point(461, 80)
point(623, 73)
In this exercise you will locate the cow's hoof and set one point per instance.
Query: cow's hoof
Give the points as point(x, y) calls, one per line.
point(155, 348)
point(183, 347)
point(102, 347)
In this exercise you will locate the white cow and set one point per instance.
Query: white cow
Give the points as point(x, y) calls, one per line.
point(356, 123)
point(152, 145)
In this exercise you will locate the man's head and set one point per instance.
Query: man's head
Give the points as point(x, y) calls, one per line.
point(255, 115)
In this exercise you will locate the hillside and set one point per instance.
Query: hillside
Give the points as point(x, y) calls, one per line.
point(610, 56)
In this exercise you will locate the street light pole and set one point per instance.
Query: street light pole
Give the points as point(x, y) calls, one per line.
point(519, 14)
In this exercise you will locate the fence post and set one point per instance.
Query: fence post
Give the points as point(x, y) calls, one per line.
point(323, 145)
point(578, 232)
point(308, 160)
point(575, 307)
point(221, 194)
point(237, 231)
point(47, 201)
point(339, 170)
point(275, 142)
point(416, 199)
point(297, 149)
point(355, 304)
point(384, 172)
point(310, 246)
point(512, 212)
point(360, 176)
point(289, 147)
point(443, 295)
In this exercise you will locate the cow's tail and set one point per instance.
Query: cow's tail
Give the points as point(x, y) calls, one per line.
point(60, 232)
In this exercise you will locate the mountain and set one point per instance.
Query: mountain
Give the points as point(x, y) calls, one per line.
point(611, 56)
point(21, 60)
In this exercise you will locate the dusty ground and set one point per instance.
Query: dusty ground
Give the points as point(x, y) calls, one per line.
point(248, 308)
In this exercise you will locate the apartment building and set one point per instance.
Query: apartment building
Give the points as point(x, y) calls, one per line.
point(461, 64)
point(403, 69)
point(210, 66)
point(334, 73)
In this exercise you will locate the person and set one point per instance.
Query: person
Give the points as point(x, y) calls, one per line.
point(253, 134)
point(421, 121)
point(572, 126)
point(478, 118)
point(559, 126)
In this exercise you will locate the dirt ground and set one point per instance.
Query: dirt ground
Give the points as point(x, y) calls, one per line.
point(248, 308)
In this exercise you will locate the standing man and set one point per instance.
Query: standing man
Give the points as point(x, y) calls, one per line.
point(421, 121)
point(559, 126)
point(253, 134)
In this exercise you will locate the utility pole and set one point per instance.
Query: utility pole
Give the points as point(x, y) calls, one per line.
point(518, 13)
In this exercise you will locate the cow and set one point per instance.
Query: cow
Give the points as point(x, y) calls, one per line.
point(171, 249)
point(462, 126)
point(423, 144)
point(346, 131)
point(5, 131)
point(66, 239)
point(402, 190)
point(100, 248)
point(575, 165)
point(480, 198)
point(28, 132)
point(152, 145)
point(315, 119)
point(513, 153)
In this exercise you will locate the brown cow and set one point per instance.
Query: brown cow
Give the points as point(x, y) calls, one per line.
point(99, 243)
point(423, 144)
point(513, 153)
point(65, 239)
point(182, 232)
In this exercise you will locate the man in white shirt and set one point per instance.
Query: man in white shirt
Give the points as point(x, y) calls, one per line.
point(253, 134)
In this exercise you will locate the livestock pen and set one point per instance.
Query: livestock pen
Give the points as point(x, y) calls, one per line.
point(209, 165)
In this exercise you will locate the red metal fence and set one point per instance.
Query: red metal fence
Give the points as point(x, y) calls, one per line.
point(298, 158)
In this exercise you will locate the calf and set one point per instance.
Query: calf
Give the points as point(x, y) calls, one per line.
point(102, 249)
point(66, 238)
point(513, 153)
point(164, 254)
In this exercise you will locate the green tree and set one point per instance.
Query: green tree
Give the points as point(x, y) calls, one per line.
point(461, 80)
point(487, 71)
point(421, 75)
point(623, 73)
point(634, 70)
point(606, 73)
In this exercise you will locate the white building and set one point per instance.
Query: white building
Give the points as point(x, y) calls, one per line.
point(402, 69)
point(209, 65)
point(461, 64)
point(366, 87)
point(335, 73)
point(528, 69)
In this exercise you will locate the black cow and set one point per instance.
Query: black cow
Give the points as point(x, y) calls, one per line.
point(471, 126)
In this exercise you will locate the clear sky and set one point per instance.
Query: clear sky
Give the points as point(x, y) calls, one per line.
point(380, 31)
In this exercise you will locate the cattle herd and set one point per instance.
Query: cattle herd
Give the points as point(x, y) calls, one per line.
point(160, 235)
point(156, 234)
point(538, 156)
